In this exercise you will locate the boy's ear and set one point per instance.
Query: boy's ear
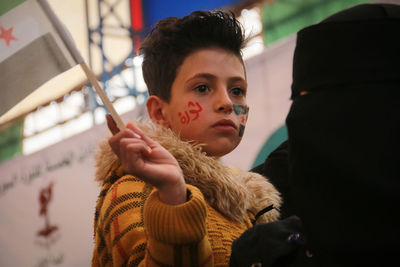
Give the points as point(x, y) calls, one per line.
point(155, 109)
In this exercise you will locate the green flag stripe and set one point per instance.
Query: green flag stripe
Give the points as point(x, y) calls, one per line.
point(286, 17)
point(7, 5)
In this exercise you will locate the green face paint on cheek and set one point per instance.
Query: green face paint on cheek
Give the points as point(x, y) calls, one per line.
point(240, 109)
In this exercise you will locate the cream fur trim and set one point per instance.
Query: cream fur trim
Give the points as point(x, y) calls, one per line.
point(231, 193)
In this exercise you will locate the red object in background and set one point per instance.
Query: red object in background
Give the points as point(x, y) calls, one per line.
point(136, 15)
point(49, 234)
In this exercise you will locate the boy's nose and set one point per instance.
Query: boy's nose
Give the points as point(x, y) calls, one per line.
point(223, 102)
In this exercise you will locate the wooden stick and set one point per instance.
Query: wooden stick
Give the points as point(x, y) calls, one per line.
point(102, 95)
point(76, 55)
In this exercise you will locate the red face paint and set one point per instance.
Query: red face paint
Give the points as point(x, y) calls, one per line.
point(193, 108)
point(184, 118)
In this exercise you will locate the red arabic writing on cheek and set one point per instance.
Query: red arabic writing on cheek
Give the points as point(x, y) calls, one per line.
point(193, 108)
point(184, 119)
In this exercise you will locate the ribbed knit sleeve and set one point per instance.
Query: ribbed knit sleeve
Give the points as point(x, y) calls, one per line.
point(176, 224)
point(176, 234)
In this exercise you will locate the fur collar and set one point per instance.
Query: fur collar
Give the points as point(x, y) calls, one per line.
point(231, 192)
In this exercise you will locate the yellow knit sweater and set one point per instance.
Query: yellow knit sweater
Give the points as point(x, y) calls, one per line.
point(134, 228)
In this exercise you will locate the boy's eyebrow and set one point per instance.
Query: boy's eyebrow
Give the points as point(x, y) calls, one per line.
point(213, 77)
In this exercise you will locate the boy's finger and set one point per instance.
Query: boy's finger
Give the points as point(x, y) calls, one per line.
point(135, 147)
point(111, 124)
point(140, 133)
point(127, 133)
point(114, 141)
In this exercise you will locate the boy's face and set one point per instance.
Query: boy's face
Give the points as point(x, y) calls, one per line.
point(208, 100)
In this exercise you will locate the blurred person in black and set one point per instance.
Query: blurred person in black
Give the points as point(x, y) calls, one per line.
point(338, 170)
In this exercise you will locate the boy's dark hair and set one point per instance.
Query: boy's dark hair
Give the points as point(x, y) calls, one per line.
point(173, 39)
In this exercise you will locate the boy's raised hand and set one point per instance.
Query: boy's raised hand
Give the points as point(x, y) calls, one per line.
point(148, 160)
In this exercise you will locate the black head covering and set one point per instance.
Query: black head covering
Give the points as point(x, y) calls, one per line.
point(357, 45)
point(344, 135)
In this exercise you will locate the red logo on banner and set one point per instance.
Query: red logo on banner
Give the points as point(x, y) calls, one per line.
point(49, 233)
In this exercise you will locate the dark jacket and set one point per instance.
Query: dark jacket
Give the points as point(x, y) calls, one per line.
point(276, 168)
point(344, 136)
point(342, 176)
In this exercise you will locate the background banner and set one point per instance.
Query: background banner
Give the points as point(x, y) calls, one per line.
point(47, 202)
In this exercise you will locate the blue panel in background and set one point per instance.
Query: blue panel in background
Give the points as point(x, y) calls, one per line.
point(154, 10)
point(276, 138)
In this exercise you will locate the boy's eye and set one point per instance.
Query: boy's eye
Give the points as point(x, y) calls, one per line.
point(238, 91)
point(202, 88)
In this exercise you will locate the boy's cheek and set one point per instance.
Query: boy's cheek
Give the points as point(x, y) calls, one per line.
point(242, 111)
point(190, 112)
point(243, 119)
point(242, 125)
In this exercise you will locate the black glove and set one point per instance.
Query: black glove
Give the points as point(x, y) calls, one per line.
point(280, 243)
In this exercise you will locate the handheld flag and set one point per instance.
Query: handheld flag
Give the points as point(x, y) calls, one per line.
point(35, 47)
point(31, 52)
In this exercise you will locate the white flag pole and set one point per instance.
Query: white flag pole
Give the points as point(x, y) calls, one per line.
point(70, 44)
point(102, 95)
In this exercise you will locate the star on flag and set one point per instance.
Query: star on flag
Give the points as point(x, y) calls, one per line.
point(7, 35)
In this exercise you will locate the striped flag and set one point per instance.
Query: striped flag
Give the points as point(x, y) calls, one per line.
point(31, 50)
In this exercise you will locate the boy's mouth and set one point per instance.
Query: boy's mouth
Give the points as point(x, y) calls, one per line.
point(225, 123)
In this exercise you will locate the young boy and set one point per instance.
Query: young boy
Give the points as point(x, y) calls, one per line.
point(166, 200)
